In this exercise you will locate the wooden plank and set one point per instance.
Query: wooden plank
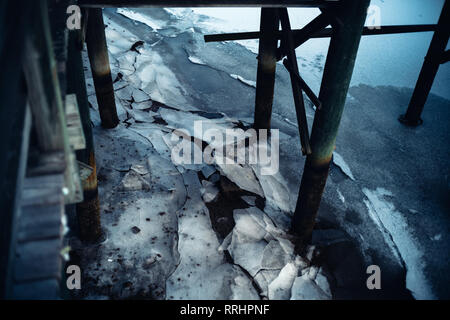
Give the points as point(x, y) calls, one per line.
point(38, 260)
point(36, 290)
point(46, 181)
point(14, 17)
point(49, 163)
point(43, 190)
point(48, 127)
point(74, 126)
point(17, 212)
point(74, 189)
point(40, 222)
point(77, 142)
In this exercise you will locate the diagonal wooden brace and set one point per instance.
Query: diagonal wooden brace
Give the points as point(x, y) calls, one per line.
point(303, 85)
point(296, 90)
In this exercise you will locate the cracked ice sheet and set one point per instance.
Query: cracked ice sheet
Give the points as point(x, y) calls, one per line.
point(250, 177)
point(127, 62)
point(275, 190)
point(155, 134)
point(242, 175)
point(119, 39)
point(139, 252)
point(394, 227)
point(156, 79)
point(186, 120)
point(306, 287)
point(141, 17)
point(114, 149)
point(139, 115)
point(203, 273)
point(263, 250)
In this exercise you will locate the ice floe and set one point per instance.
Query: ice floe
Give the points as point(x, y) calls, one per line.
point(340, 162)
point(243, 80)
point(395, 230)
point(141, 17)
point(196, 60)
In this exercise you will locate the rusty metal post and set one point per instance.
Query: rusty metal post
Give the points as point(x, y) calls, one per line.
point(101, 72)
point(265, 79)
point(429, 69)
point(88, 212)
point(333, 92)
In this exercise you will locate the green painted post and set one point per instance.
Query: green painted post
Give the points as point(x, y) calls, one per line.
point(265, 79)
point(333, 92)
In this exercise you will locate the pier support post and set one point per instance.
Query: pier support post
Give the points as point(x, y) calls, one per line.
point(429, 69)
point(333, 92)
point(88, 211)
point(101, 72)
point(265, 79)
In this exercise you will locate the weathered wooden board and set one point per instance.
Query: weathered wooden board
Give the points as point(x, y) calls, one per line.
point(74, 126)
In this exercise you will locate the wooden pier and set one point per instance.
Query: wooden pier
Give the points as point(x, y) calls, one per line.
point(49, 160)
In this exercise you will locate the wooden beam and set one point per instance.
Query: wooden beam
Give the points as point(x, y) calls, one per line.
point(324, 33)
point(101, 71)
point(88, 211)
point(206, 3)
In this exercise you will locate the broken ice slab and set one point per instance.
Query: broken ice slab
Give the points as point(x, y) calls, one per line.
point(207, 171)
point(280, 288)
point(133, 181)
point(119, 39)
point(195, 124)
point(156, 79)
point(141, 169)
point(203, 272)
point(256, 243)
point(140, 96)
point(275, 190)
point(304, 288)
point(124, 93)
point(126, 62)
point(264, 278)
point(248, 255)
point(274, 256)
point(139, 115)
point(154, 134)
point(322, 282)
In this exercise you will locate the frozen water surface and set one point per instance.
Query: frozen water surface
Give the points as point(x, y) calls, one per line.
point(161, 241)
